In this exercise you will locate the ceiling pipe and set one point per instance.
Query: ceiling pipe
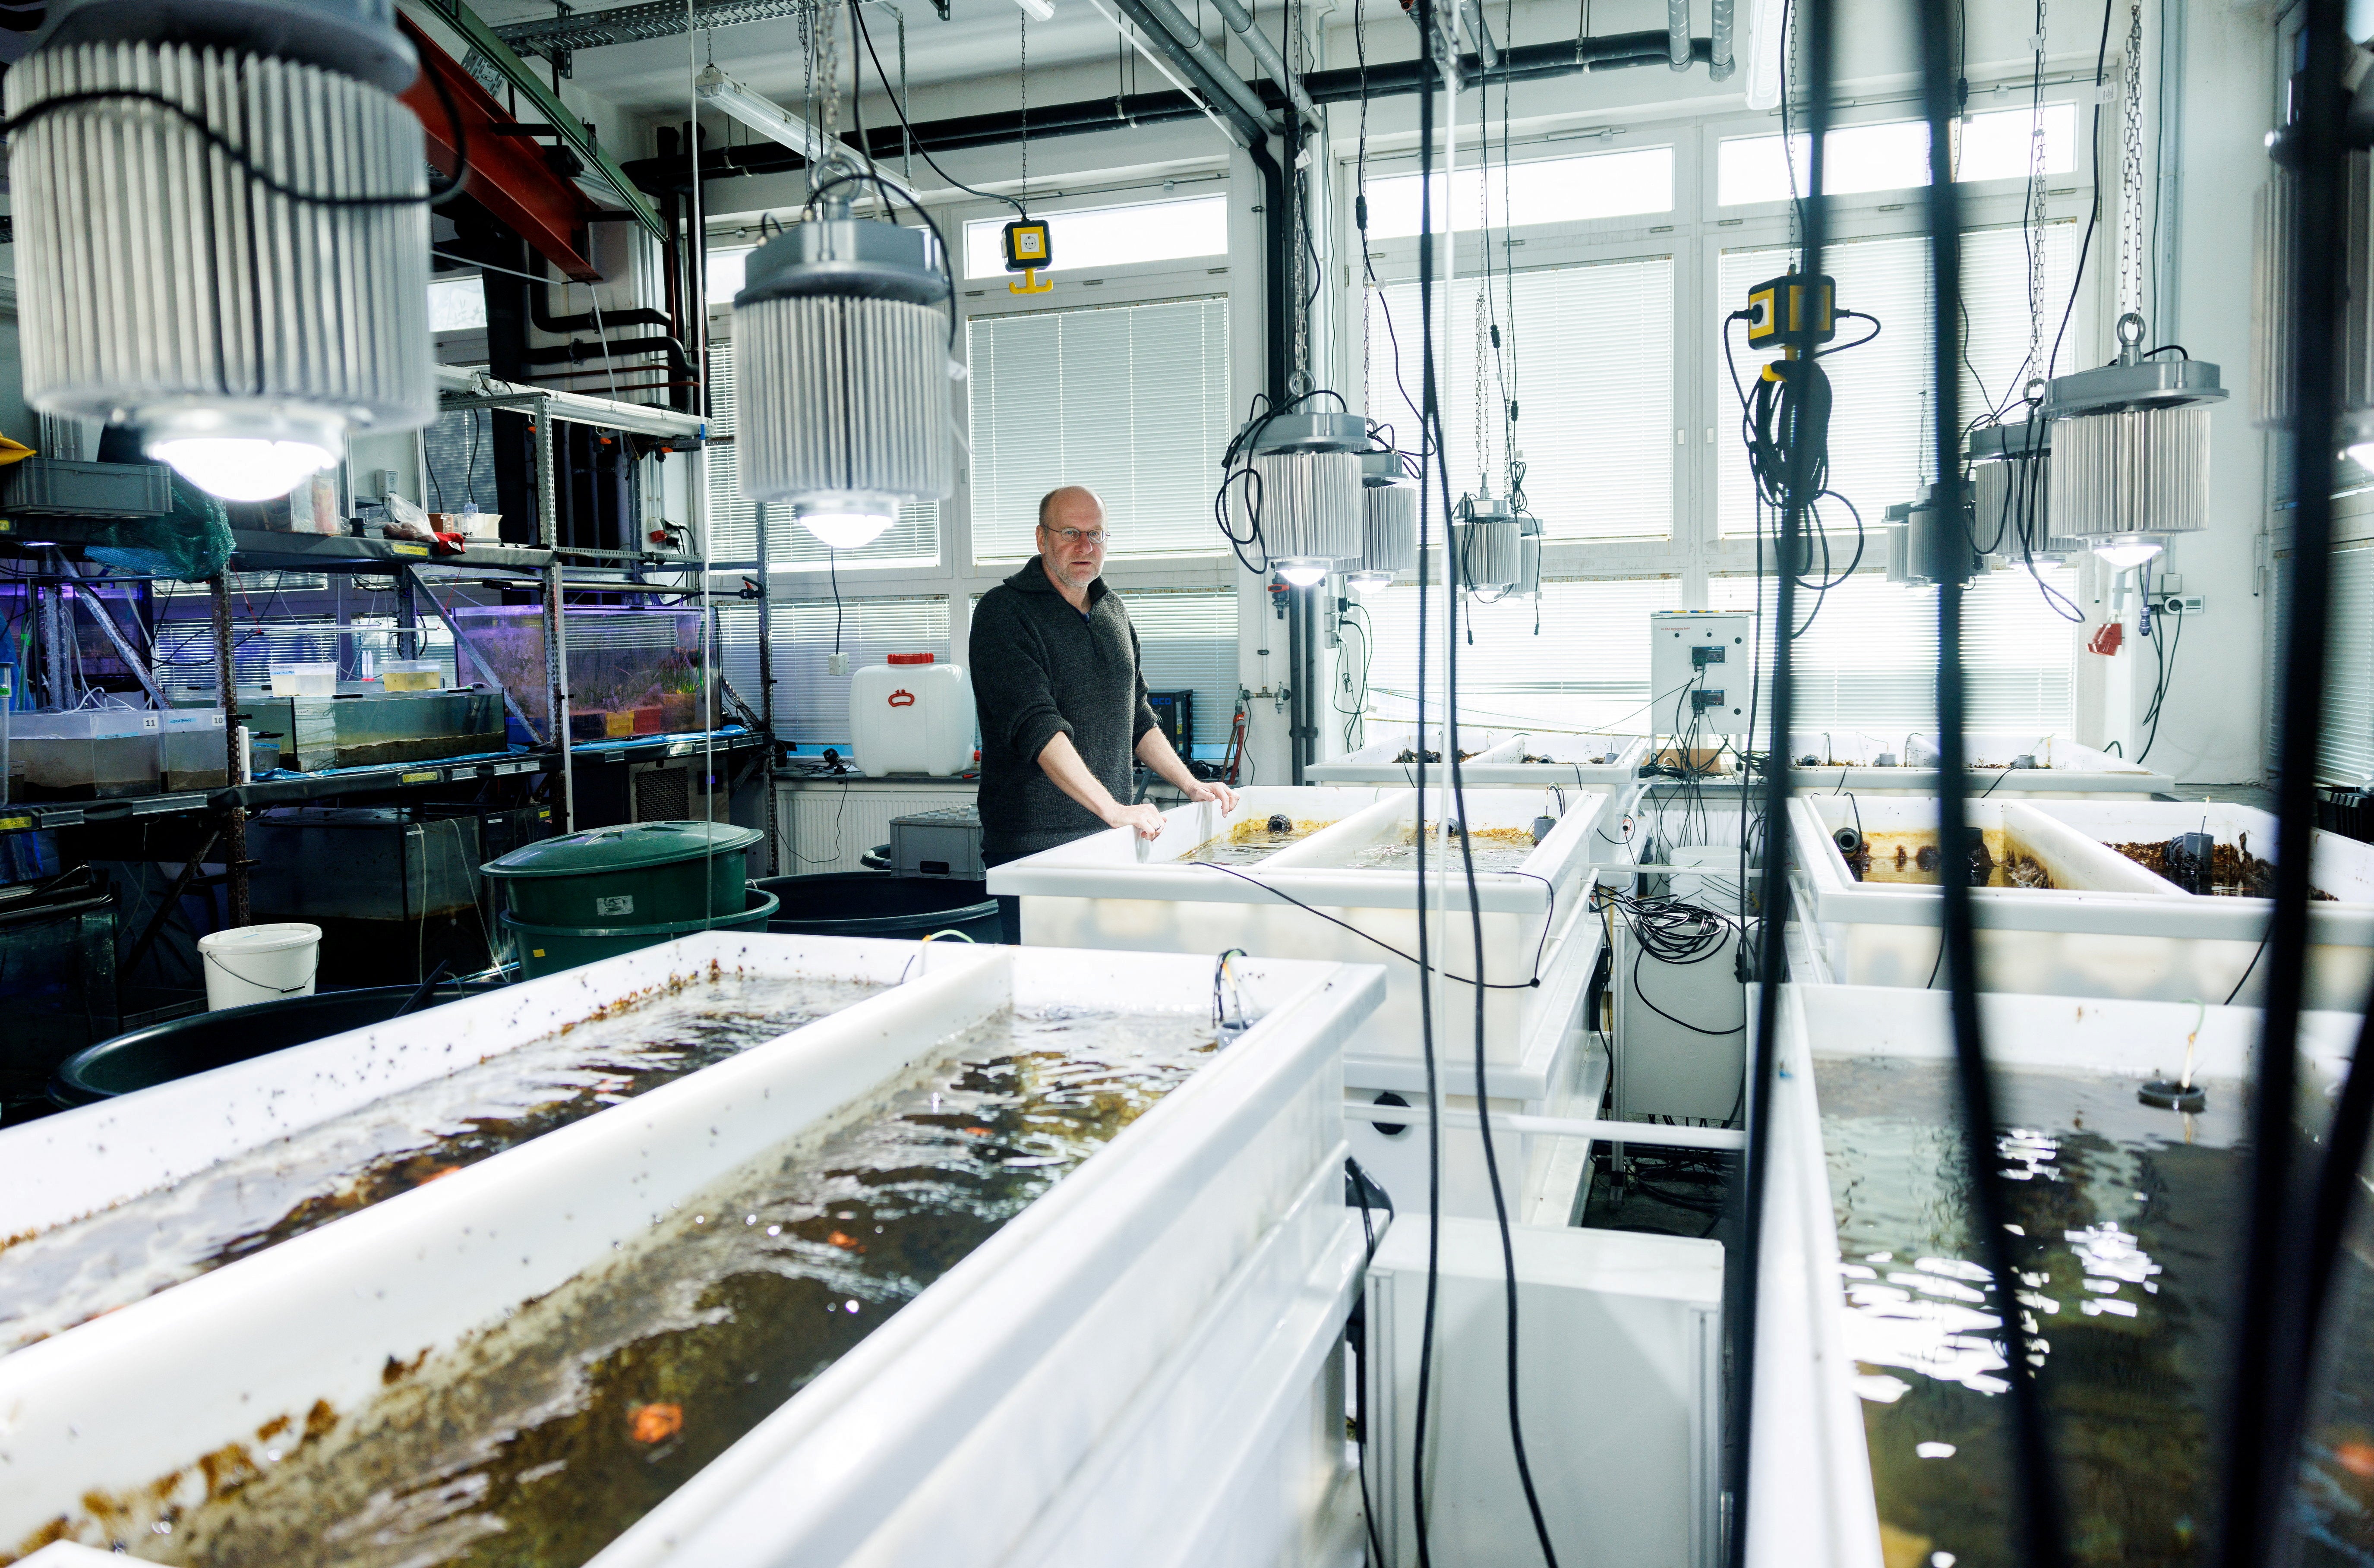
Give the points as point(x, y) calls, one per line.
point(780, 125)
point(1721, 67)
point(1533, 62)
point(1179, 72)
point(1677, 33)
point(1167, 19)
point(1264, 52)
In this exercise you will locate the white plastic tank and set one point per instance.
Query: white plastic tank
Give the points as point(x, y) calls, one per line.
point(911, 714)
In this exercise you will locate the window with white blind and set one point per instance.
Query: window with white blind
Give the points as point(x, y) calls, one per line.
point(1894, 155)
point(1549, 190)
point(1881, 450)
point(1586, 666)
point(812, 703)
point(2346, 744)
point(1868, 658)
point(1187, 640)
point(1088, 238)
point(1587, 358)
point(1129, 400)
point(912, 541)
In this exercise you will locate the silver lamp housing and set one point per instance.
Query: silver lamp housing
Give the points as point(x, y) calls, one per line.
point(1387, 522)
point(845, 407)
point(1925, 545)
point(1490, 545)
point(2010, 468)
point(2130, 451)
point(1305, 496)
point(164, 287)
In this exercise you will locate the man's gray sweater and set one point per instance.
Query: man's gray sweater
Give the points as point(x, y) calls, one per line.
point(1042, 669)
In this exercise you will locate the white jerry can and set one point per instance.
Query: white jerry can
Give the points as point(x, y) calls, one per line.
point(911, 715)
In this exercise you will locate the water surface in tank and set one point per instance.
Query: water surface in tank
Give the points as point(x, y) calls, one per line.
point(57, 1278)
point(2132, 1220)
point(537, 1441)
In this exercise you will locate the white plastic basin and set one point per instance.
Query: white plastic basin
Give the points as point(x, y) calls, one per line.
point(1847, 759)
point(1125, 1358)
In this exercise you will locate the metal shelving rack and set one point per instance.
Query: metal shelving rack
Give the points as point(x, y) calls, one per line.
point(416, 567)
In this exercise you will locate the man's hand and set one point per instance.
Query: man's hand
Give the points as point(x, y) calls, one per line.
point(1145, 819)
point(1213, 792)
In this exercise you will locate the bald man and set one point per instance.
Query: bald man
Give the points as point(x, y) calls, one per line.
point(1062, 699)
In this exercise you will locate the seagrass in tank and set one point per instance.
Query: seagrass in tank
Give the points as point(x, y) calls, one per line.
point(632, 672)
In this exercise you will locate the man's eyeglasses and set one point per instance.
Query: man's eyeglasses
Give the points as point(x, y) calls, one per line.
point(1075, 536)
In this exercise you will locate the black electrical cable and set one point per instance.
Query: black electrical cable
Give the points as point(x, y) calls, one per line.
point(1427, 455)
point(1804, 481)
point(1542, 946)
point(2282, 1307)
point(2094, 213)
point(1450, 583)
point(2167, 674)
point(2037, 1537)
point(908, 125)
point(239, 157)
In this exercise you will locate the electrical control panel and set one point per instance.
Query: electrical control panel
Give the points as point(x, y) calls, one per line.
point(1700, 665)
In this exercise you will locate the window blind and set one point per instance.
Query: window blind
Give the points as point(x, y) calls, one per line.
point(1587, 668)
point(2345, 751)
point(1187, 638)
point(912, 541)
point(1129, 400)
point(1869, 658)
point(1881, 450)
point(811, 703)
point(1587, 355)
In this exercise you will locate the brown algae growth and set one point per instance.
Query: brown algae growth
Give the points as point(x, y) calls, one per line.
point(1251, 841)
point(70, 1273)
point(541, 1439)
point(1995, 860)
point(1492, 848)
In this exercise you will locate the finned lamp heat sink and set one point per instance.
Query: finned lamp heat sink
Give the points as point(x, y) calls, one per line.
point(841, 352)
point(2010, 467)
point(1925, 545)
point(1304, 497)
point(2130, 451)
point(222, 231)
point(1490, 547)
point(2353, 316)
point(1389, 521)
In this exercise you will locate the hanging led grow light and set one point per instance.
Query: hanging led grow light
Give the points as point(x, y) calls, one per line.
point(1389, 521)
point(1529, 558)
point(1490, 545)
point(222, 231)
point(2353, 316)
point(1925, 544)
point(2009, 492)
point(2130, 446)
point(841, 351)
point(1299, 491)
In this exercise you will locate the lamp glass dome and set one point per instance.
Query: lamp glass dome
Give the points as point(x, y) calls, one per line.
point(2124, 551)
point(1304, 572)
point(845, 528)
point(242, 468)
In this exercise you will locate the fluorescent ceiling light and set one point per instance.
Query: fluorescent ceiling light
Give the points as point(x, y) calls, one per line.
point(771, 119)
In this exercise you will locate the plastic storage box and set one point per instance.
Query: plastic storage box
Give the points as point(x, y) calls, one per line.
point(945, 843)
point(93, 754)
point(911, 715)
point(319, 679)
point(193, 752)
point(637, 672)
point(1511, 757)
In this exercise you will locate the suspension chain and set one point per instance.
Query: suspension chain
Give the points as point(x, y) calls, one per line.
point(2130, 170)
point(829, 44)
point(2035, 184)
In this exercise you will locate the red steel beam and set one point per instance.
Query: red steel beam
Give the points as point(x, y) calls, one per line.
point(509, 175)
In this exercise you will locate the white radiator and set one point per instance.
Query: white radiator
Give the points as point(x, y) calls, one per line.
point(826, 826)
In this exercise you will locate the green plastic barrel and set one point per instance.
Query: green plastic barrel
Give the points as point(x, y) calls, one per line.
point(547, 950)
point(645, 873)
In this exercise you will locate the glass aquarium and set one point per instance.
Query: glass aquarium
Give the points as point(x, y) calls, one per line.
point(632, 672)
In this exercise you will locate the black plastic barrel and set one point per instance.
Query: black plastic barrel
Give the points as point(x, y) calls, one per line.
point(180, 1046)
point(877, 904)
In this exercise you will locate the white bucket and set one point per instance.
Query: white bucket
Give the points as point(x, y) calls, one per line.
point(254, 963)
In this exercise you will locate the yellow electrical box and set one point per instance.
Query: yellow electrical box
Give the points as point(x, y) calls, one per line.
point(1794, 311)
point(1029, 250)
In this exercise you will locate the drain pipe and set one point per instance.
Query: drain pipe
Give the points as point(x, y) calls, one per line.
point(1677, 34)
point(1723, 65)
point(1271, 61)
